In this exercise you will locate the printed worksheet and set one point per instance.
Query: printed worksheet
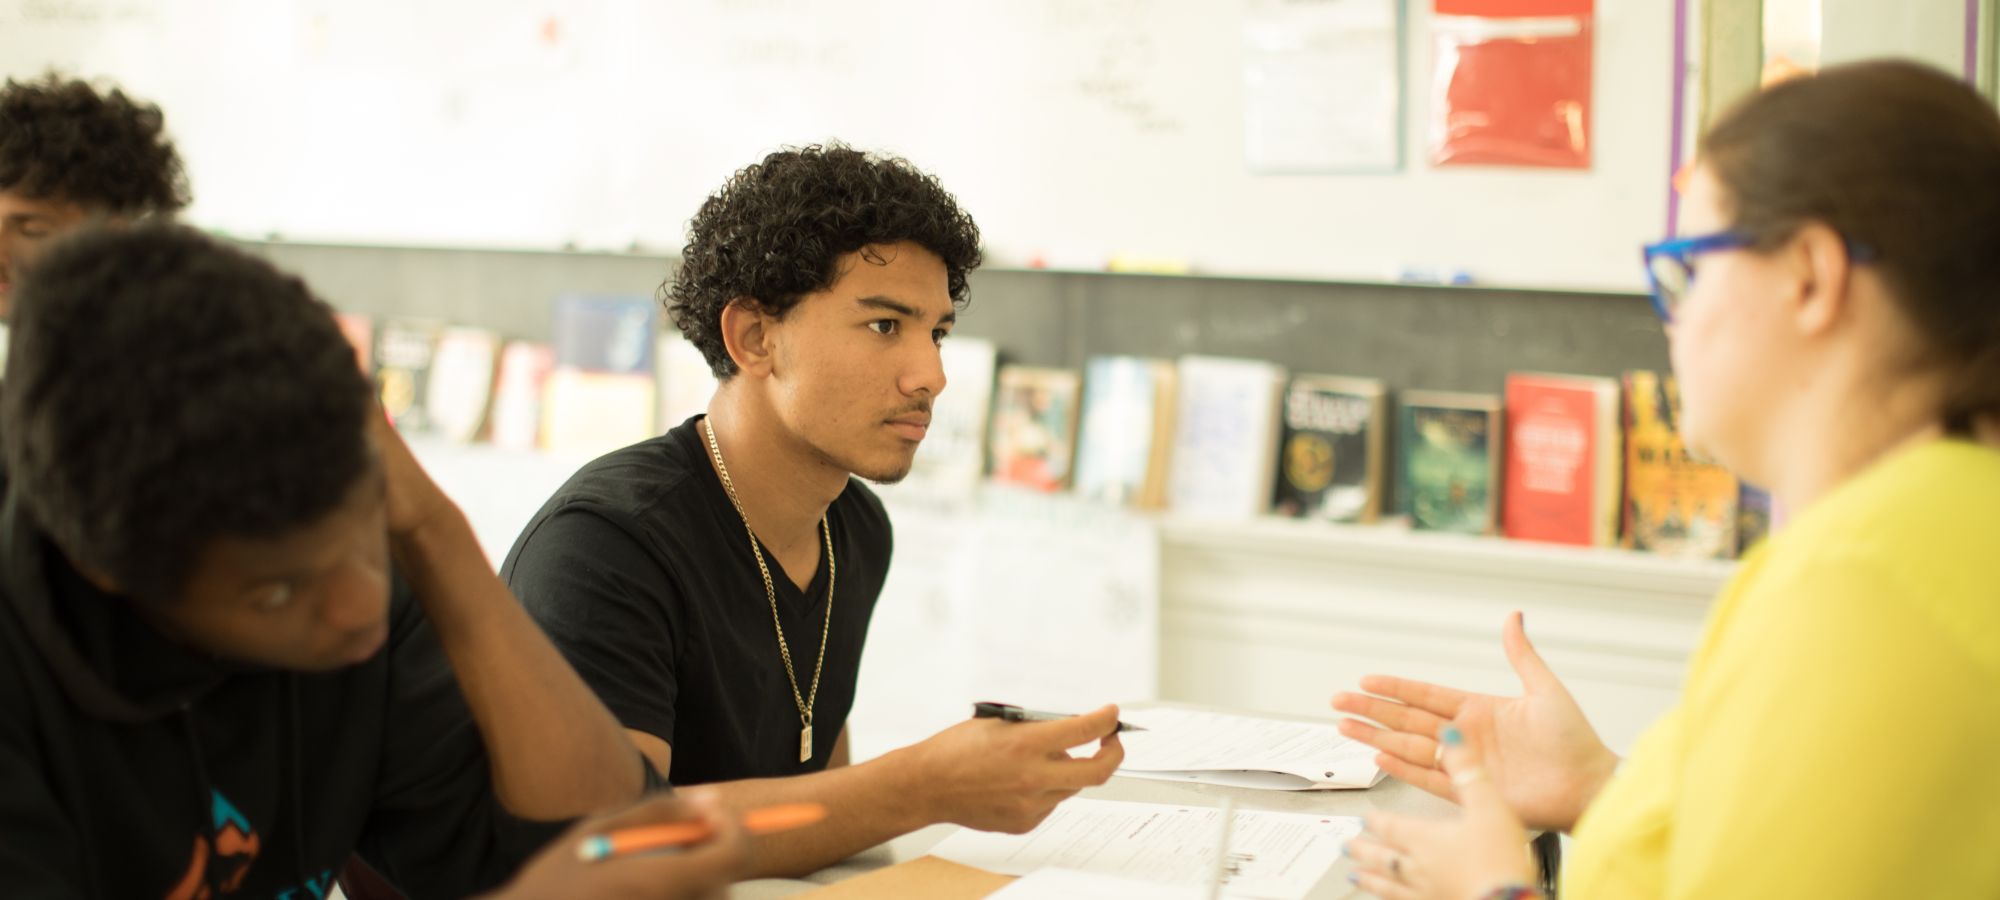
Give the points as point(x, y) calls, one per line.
point(1068, 884)
point(1245, 751)
point(1271, 855)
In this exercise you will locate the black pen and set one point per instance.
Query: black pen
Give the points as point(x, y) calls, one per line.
point(1011, 713)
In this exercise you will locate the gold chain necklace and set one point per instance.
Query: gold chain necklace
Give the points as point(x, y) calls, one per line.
point(805, 702)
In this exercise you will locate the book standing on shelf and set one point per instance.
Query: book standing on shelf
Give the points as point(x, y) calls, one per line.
point(1034, 427)
point(1675, 505)
point(1755, 517)
point(360, 333)
point(1330, 464)
point(1225, 437)
point(685, 382)
point(1450, 446)
point(601, 395)
point(1128, 431)
point(403, 354)
point(1564, 461)
point(461, 382)
point(517, 394)
point(952, 457)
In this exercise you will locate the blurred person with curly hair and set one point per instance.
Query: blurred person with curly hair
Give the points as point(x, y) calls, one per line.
point(70, 153)
point(715, 584)
point(244, 637)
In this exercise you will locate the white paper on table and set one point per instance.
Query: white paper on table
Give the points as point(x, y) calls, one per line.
point(1245, 751)
point(1069, 884)
point(1272, 855)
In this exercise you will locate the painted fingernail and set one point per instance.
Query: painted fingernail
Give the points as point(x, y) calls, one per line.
point(1353, 878)
point(1451, 736)
point(1346, 852)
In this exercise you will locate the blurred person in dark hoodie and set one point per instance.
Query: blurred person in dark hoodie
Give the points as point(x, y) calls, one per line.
point(244, 637)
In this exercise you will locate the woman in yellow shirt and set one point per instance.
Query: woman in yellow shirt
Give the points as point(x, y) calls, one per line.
point(1835, 324)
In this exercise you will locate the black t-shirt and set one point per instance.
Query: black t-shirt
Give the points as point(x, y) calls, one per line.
point(641, 572)
point(131, 766)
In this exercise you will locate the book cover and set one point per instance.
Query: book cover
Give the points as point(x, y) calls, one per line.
point(517, 394)
point(1675, 504)
point(952, 457)
point(606, 334)
point(1225, 446)
point(1755, 517)
point(1034, 427)
point(604, 392)
point(1450, 445)
point(461, 382)
point(360, 333)
point(592, 413)
point(1563, 460)
point(1128, 413)
point(1331, 454)
point(685, 381)
point(403, 353)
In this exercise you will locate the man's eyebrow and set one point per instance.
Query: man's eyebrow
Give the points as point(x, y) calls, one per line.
point(903, 309)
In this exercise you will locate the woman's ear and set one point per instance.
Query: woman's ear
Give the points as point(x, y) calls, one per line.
point(1827, 269)
point(746, 334)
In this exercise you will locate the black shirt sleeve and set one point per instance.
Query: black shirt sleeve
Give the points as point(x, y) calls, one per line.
point(604, 600)
point(437, 829)
point(40, 854)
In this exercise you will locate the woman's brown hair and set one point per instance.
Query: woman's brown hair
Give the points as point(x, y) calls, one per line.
point(1903, 160)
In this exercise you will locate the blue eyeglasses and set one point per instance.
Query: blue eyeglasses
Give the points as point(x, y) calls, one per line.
point(1670, 264)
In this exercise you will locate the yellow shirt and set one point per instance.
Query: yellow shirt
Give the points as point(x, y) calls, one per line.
point(1839, 733)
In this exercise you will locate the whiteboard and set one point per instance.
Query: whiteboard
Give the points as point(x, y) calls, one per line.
point(1072, 130)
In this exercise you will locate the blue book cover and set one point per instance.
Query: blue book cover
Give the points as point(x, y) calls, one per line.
point(1450, 445)
point(605, 334)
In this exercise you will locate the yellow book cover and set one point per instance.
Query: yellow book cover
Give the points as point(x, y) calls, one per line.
point(1675, 503)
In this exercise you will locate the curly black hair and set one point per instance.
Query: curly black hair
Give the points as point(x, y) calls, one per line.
point(774, 232)
point(61, 139)
point(163, 390)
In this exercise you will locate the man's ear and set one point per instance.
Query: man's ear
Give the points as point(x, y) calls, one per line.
point(1826, 270)
point(747, 335)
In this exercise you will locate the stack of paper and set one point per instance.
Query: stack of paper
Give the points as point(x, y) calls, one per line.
point(1068, 884)
point(1245, 751)
point(1271, 856)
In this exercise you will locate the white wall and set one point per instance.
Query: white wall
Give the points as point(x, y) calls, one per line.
point(1071, 129)
point(1929, 30)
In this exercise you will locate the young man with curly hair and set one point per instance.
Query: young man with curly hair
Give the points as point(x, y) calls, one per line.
point(243, 636)
point(714, 585)
point(69, 154)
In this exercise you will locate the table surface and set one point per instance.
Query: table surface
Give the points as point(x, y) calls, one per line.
point(1391, 795)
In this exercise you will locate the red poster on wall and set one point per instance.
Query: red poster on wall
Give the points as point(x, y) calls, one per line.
point(1512, 84)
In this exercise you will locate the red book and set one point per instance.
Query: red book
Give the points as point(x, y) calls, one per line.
point(1563, 459)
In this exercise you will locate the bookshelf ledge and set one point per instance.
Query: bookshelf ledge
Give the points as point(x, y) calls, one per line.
point(1289, 542)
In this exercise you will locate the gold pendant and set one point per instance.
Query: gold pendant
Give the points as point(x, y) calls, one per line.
point(806, 744)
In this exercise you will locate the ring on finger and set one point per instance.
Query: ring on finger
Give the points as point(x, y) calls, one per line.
point(1437, 757)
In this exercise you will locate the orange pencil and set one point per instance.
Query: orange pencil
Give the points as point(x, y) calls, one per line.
point(767, 820)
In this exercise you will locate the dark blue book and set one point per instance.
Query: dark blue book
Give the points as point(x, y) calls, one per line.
point(605, 334)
